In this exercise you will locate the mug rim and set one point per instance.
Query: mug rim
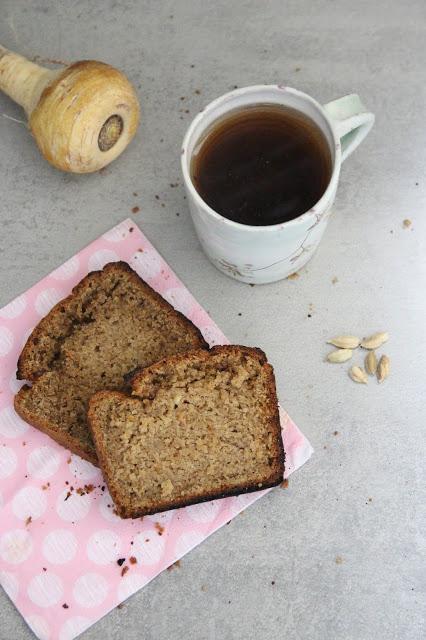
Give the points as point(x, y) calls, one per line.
point(319, 204)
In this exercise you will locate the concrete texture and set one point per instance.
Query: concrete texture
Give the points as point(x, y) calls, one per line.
point(272, 572)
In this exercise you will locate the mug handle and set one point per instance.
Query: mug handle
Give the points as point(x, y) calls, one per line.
point(350, 120)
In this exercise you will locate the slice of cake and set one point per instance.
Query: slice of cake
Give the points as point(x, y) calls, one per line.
point(111, 323)
point(198, 426)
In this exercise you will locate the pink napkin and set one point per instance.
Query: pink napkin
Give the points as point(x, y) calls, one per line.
point(59, 552)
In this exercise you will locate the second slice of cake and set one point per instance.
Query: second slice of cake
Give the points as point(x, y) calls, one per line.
point(198, 426)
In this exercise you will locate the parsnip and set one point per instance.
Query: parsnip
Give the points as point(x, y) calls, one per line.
point(82, 117)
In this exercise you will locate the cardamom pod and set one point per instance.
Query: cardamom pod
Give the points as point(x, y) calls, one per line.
point(345, 342)
point(358, 375)
point(371, 363)
point(341, 355)
point(383, 368)
point(375, 341)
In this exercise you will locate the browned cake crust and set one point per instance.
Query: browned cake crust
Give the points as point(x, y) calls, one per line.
point(54, 363)
point(153, 380)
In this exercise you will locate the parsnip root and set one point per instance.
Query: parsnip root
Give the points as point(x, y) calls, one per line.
point(82, 117)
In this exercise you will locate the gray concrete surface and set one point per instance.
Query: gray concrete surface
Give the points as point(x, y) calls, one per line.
point(224, 588)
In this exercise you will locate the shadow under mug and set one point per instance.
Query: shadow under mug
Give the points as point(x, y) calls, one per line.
point(262, 254)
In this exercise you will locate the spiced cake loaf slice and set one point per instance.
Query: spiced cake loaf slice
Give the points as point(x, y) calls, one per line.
point(198, 426)
point(111, 323)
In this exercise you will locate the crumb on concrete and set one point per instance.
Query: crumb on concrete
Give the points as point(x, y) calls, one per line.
point(175, 565)
point(406, 223)
point(293, 276)
point(339, 560)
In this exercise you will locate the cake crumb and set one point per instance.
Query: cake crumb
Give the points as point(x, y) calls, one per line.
point(339, 560)
point(28, 521)
point(44, 569)
point(284, 484)
point(121, 561)
point(65, 606)
point(124, 570)
point(406, 223)
point(120, 606)
point(133, 560)
point(293, 276)
point(335, 433)
point(69, 461)
point(175, 565)
point(159, 528)
point(135, 209)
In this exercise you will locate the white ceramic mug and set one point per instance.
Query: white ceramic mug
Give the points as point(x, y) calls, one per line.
point(261, 254)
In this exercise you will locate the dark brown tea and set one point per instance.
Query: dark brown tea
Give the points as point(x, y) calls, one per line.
point(262, 165)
